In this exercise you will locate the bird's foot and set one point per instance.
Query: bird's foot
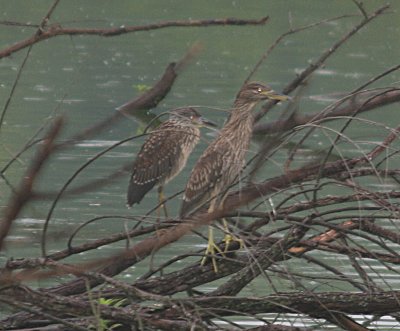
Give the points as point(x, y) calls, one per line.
point(211, 252)
point(231, 239)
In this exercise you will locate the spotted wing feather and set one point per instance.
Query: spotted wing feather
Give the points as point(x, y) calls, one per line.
point(203, 180)
point(155, 162)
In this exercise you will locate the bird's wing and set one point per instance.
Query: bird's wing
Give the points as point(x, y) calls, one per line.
point(205, 175)
point(154, 161)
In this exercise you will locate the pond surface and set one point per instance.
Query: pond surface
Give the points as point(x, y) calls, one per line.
point(86, 78)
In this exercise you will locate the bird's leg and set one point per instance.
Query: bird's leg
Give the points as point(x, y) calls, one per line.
point(161, 199)
point(212, 247)
point(230, 237)
point(212, 250)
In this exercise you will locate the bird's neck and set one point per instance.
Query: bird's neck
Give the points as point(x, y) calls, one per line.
point(241, 119)
point(244, 104)
point(242, 111)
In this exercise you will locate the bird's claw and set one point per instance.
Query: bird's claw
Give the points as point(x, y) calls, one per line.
point(230, 238)
point(211, 251)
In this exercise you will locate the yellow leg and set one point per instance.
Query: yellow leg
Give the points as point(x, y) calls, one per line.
point(229, 237)
point(211, 250)
point(161, 199)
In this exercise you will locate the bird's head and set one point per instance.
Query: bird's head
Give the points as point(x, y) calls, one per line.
point(190, 116)
point(253, 92)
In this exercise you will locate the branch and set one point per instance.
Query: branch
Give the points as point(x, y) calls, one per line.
point(288, 33)
point(38, 32)
point(116, 264)
point(325, 55)
point(57, 30)
point(362, 101)
point(23, 192)
point(305, 303)
point(320, 61)
point(254, 268)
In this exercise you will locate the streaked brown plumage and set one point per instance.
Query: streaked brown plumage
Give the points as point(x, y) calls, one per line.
point(165, 152)
point(221, 163)
point(224, 158)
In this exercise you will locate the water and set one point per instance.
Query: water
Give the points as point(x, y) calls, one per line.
point(86, 78)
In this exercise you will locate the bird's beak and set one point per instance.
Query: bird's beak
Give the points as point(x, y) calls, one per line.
point(271, 94)
point(205, 122)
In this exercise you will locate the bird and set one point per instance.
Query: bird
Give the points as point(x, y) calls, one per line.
point(165, 152)
point(222, 161)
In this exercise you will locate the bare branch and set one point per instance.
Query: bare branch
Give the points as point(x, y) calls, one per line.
point(23, 192)
point(56, 30)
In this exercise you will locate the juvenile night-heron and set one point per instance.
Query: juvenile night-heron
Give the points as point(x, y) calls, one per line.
point(220, 164)
point(165, 152)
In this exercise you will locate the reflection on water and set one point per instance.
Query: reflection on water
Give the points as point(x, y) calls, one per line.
point(42, 88)
point(96, 143)
point(35, 98)
point(324, 72)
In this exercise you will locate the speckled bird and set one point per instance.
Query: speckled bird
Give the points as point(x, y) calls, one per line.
point(221, 163)
point(165, 152)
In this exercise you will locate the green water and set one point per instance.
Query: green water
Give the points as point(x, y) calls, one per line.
point(85, 78)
